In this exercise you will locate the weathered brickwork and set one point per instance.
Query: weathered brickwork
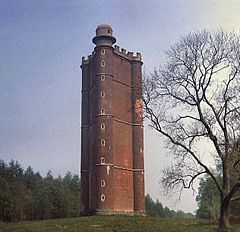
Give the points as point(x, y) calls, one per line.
point(112, 157)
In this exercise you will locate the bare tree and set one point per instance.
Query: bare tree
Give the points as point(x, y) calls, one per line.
point(194, 102)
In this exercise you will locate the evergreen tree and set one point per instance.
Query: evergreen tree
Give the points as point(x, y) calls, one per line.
point(25, 195)
point(157, 209)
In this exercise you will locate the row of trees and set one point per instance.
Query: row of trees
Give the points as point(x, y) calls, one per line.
point(155, 208)
point(26, 195)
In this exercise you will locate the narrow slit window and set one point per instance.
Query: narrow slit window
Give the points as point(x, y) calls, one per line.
point(102, 126)
point(102, 77)
point(102, 197)
point(102, 183)
point(103, 142)
point(102, 63)
point(102, 94)
point(102, 160)
point(102, 111)
point(103, 51)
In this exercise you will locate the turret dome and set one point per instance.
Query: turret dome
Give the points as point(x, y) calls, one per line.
point(104, 35)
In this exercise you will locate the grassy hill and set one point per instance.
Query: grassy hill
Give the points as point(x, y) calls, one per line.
point(113, 224)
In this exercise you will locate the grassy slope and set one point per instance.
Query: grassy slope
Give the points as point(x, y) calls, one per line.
point(113, 224)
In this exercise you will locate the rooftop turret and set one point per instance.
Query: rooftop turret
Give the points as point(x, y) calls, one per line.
point(104, 36)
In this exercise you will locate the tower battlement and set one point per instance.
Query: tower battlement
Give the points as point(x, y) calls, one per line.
point(119, 51)
point(86, 59)
point(128, 55)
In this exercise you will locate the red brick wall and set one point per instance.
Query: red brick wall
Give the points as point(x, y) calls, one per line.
point(122, 70)
point(122, 144)
point(121, 102)
point(123, 190)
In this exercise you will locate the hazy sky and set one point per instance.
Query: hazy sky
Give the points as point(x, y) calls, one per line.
point(41, 45)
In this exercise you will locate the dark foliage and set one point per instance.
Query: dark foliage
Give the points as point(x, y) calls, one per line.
point(157, 209)
point(209, 204)
point(26, 195)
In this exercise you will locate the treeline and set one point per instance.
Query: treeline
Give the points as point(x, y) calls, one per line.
point(26, 195)
point(208, 199)
point(155, 208)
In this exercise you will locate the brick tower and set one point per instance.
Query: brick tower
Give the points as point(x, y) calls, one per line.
point(112, 163)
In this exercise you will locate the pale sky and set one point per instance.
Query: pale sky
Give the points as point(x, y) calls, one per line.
point(41, 45)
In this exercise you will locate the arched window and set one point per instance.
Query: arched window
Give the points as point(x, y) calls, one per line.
point(102, 160)
point(102, 197)
point(102, 77)
point(102, 183)
point(102, 94)
point(103, 51)
point(103, 142)
point(102, 63)
point(102, 126)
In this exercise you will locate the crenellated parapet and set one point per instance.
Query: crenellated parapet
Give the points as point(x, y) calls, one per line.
point(119, 51)
point(128, 55)
point(87, 59)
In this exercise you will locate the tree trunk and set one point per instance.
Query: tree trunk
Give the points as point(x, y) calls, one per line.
point(224, 217)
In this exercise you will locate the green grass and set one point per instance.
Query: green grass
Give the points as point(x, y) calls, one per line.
point(113, 224)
